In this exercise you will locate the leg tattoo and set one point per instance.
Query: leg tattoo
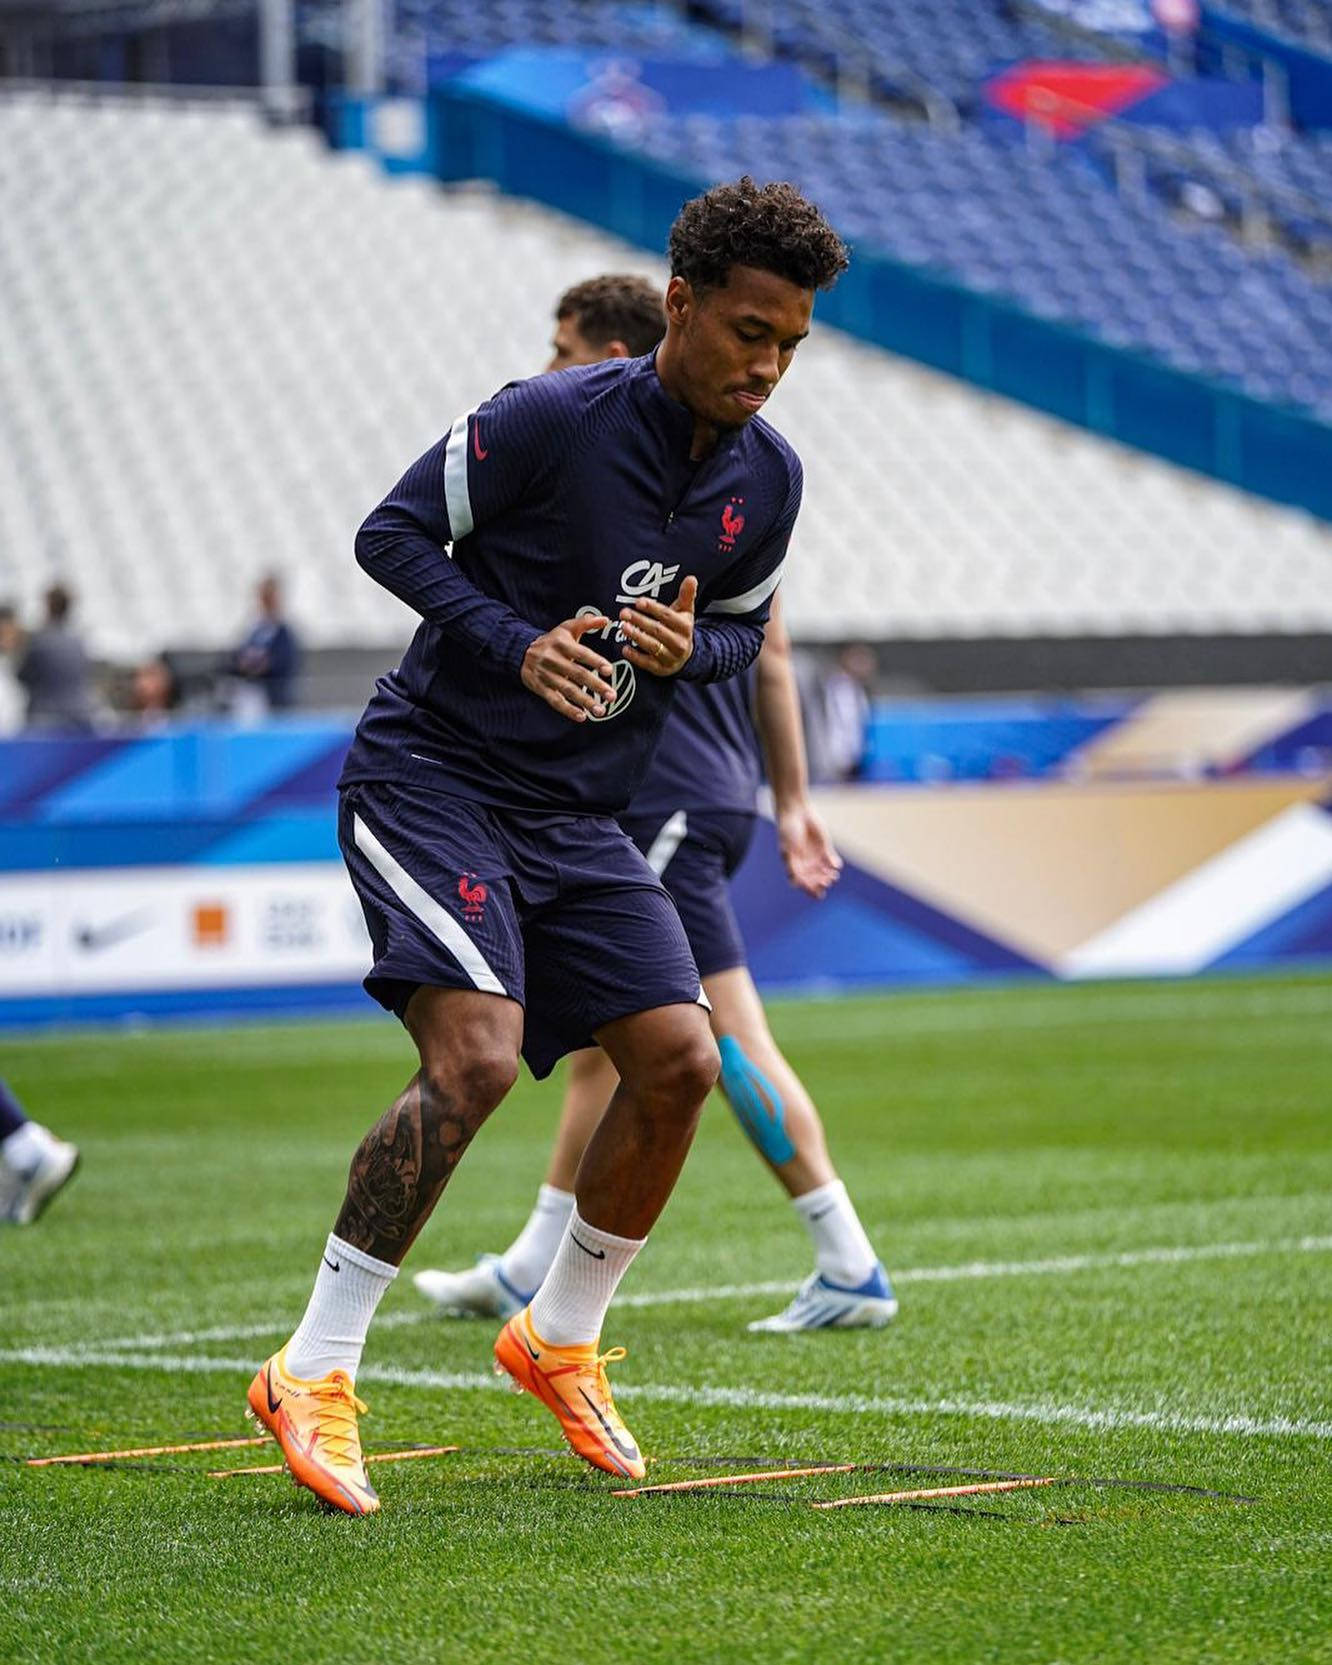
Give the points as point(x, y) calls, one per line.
point(400, 1168)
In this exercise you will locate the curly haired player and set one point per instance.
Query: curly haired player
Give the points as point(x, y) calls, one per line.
point(693, 818)
point(614, 529)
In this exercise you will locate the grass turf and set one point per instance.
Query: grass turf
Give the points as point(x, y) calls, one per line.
point(1077, 1127)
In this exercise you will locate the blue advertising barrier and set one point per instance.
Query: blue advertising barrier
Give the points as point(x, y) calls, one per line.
point(196, 870)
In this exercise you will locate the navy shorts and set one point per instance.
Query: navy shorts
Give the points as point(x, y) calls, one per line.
point(558, 912)
point(695, 852)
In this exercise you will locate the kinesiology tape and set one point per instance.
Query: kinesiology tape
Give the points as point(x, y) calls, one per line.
point(756, 1102)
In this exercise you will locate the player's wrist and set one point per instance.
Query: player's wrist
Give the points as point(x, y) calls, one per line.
point(513, 653)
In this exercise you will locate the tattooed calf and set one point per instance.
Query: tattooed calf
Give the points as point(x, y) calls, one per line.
point(400, 1168)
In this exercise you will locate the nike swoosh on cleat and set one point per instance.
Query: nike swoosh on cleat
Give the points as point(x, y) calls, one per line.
point(274, 1405)
point(628, 1452)
point(526, 1343)
point(333, 1265)
point(597, 1254)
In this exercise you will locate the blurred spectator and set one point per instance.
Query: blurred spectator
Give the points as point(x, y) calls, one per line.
point(12, 699)
point(841, 713)
point(55, 669)
point(153, 692)
point(268, 659)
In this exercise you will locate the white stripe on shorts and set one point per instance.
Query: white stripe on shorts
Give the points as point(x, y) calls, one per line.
point(436, 919)
point(667, 842)
point(457, 497)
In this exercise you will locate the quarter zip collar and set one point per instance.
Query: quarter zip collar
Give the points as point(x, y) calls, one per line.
point(676, 419)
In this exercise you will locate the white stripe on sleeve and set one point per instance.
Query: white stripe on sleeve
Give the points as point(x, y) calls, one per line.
point(751, 599)
point(436, 919)
point(457, 498)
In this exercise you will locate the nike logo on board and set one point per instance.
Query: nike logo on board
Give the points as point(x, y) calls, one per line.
point(93, 938)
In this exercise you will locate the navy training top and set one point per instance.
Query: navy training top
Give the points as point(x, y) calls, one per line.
point(708, 755)
point(570, 493)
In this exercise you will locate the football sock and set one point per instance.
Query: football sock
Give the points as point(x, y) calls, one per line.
point(570, 1307)
point(331, 1336)
point(25, 1147)
point(528, 1258)
point(11, 1113)
point(842, 1251)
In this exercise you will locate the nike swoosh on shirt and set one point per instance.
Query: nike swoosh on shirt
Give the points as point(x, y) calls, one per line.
point(597, 1254)
point(477, 450)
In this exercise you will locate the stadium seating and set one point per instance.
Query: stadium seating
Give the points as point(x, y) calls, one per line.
point(1047, 230)
point(226, 344)
point(949, 46)
point(1307, 22)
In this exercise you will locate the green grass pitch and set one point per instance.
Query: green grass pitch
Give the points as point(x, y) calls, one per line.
point(1109, 1211)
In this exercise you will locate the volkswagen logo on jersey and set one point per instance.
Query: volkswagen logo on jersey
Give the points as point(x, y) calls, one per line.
point(624, 682)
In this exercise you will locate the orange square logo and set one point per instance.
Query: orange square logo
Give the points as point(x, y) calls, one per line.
point(211, 925)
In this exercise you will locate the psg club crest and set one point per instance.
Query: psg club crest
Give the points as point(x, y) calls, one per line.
point(623, 681)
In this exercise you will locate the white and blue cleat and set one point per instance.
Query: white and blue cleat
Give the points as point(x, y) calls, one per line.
point(24, 1194)
point(820, 1304)
point(482, 1291)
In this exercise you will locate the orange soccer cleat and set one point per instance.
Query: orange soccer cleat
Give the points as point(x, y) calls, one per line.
point(571, 1381)
point(315, 1425)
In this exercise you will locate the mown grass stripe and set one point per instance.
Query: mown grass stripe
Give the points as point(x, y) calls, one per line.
point(1244, 1425)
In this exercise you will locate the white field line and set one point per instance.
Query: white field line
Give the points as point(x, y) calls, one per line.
point(737, 1398)
point(743, 1291)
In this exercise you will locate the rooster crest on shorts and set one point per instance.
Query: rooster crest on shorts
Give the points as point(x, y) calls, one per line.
point(473, 894)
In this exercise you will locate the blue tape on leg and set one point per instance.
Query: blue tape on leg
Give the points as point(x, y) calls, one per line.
point(756, 1102)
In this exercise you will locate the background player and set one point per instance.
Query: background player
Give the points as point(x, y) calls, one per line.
point(34, 1164)
point(506, 907)
point(693, 818)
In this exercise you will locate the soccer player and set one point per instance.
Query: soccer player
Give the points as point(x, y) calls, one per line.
point(613, 528)
point(34, 1164)
point(693, 818)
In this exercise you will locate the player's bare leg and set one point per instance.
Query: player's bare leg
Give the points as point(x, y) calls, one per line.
point(589, 1087)
point(468, 1047)
point(499, 1285)
point(782, 1123)
point(849, 1287)
point(667, 1063)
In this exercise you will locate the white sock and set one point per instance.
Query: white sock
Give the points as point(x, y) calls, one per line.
point(842, 1251)
point(25, 1147)
point(570, 1306)
point(528, 1258)
point(347, 1290)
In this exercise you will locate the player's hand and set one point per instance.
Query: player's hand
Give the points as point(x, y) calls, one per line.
point(572, 679)
point(660, 638)
point(811, 862)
